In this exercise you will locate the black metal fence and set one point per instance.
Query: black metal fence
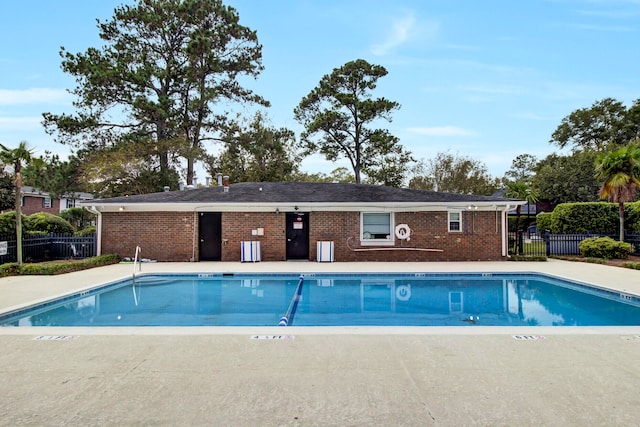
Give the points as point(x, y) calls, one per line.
point(547, 244)
point(48, 247)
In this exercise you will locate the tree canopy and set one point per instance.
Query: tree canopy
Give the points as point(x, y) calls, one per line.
point(564, 179)
point(453, 173)
point(338, 116)
point(605, 125)
point(7, 195)
point(56, 177)
point(341, 174)
point(522, 168)
point(154, 84)
point(256, 152)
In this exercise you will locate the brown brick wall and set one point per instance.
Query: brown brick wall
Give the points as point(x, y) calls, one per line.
point(34, 205)
point(169, 236)
point(479, 240)
point(163, 236)
point(237, 227)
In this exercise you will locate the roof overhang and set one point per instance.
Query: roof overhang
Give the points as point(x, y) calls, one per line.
point(304, 206)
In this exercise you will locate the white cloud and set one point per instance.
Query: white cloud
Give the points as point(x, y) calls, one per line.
point(398, 35)
point(33, 96)
point(441, 131)
point(404, 30)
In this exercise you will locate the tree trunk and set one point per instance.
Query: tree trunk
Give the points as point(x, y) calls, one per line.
point(356, 172)
point(189, 171)
point(18, 216)
point(621, 213)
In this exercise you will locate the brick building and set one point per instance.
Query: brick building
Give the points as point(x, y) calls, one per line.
point(34, 201)
point(278, 221)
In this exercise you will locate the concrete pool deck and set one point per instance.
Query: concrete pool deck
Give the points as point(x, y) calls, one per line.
point(356, 376)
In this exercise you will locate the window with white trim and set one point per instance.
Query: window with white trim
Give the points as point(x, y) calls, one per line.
point(46, 202)
point(376, 228)
point(71, 203)
point(455, 221)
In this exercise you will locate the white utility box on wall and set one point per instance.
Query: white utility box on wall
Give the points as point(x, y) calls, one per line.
point(250, 251)
point(325, 252)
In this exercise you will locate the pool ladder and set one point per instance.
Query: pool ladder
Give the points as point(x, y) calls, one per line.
point(133, 278)
point(136, 261)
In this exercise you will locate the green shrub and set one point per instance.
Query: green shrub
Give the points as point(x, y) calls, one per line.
point(632, 265)
point(85, 231)
point(543, 221)
point(571, 258)
point(48, 268)
point(527, 258)
point(632, 216)
point(589, 217)
point(8, 269)
point(79, 218)
point(599, 217)
point(8, 223)
point(604, 247)
point(48, 223)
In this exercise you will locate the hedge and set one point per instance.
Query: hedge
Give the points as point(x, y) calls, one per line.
point(52, 268)
point(589, 217)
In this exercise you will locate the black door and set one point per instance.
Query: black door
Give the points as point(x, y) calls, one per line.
point(210, 235)
point(297, 235)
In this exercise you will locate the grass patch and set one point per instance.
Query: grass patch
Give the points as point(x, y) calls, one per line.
point(57, 267)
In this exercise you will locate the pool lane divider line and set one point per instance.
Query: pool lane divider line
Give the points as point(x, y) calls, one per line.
point(293, 304)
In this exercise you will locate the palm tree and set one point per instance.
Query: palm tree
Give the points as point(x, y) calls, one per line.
point(16, 157)
point(523, 191)
point(620, 170)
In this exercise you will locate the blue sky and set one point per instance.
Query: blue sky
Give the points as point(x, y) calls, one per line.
point(487, 79)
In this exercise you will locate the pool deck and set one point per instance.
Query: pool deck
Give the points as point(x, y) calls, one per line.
point(355, 376)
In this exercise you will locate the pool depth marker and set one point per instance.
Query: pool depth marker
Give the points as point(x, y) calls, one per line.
point(291, 310)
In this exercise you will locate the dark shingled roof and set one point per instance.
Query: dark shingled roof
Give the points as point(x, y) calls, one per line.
point(301, 192)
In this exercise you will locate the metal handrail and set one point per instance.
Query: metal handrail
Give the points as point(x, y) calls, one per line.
point(135, 261)
point(133, 278)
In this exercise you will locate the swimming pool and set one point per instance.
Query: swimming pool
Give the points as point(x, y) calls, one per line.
point(315, 299)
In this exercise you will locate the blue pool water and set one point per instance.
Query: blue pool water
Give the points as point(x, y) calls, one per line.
point(416, 299)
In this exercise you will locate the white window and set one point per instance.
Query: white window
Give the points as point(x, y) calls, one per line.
point(71, 203)
point(46, 202)
point(376, 228)
point(455, 221)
